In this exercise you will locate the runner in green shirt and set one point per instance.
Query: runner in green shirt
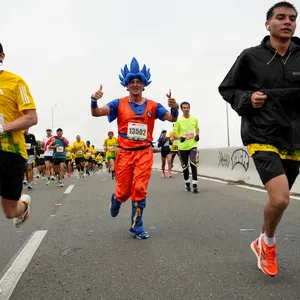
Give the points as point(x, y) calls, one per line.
point(186, 129)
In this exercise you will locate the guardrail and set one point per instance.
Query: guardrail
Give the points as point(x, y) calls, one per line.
point(230, 164)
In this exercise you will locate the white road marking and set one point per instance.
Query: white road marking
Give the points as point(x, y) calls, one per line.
point(214, 180)
point(263, 191)
point(104, 178)
point(69, 189)
point(10, 279)
point(251, 188)
point(238, 185)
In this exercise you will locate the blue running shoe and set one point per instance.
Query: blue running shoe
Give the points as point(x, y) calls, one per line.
point(142, 236)
point(114, 206)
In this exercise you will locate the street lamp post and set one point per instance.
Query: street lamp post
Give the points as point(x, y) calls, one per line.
point(227, 121)
point(52, 117)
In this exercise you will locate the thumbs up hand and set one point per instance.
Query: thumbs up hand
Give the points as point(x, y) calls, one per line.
point(169, 95)
point(171, 101)
point(98, 94)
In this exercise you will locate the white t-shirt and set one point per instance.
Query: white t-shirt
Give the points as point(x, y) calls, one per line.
point(47, 152)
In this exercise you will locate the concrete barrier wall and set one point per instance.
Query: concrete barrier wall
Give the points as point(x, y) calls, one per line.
point(231, 163)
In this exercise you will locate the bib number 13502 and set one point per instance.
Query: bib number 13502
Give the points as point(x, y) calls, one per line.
point(137, 131)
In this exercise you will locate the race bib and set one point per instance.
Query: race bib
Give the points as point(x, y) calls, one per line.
point(189, 134)
point(79, 152)
point(60, 149)
point(112, 148)
point(41, 155)
point(176, 143)
point(137, 131)
point(88, 154)
point(28, 146)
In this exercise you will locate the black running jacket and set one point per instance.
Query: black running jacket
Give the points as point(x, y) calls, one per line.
point(261, 68)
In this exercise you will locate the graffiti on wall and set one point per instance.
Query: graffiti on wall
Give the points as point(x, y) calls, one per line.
point(224, 159)
point(231, 160)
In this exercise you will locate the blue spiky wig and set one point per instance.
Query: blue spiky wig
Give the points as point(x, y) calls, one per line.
point(135, 72)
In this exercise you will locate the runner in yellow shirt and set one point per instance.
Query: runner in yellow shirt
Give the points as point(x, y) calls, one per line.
point(174, 147)
point(88, 153)
point(69, 150)
point(99, 160)
point(94, 159)
point(17, 112)
point(79, 149)
point(110, 144)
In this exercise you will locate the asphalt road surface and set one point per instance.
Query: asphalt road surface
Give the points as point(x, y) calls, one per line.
point(199, 245)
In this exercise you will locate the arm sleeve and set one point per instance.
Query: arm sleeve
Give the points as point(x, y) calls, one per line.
point(160, 142)
point(113, 105)
point(233, 88)
point(23, 96)
point(160, 112)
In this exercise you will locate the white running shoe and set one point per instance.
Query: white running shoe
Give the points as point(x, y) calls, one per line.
point(21, 220)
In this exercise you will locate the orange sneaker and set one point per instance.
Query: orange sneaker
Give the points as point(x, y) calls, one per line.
point(266, 256)
point(255, 249)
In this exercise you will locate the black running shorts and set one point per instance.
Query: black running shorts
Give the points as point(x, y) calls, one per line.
point(79, 160)
point(269, 165)
point(12, 167)
point(49, 158)
point(58, 161)
point(165, 153)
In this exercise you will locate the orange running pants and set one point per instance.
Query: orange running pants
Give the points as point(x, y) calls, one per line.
point(133, 170)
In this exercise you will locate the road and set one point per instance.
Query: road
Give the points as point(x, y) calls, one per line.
point(196, 248)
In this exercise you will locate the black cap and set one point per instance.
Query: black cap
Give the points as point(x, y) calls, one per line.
point(1, 48)
point(59, 129)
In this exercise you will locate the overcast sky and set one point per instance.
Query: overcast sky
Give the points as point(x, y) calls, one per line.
point(64, 49)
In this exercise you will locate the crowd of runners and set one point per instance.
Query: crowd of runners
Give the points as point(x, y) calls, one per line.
point(53, 157)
